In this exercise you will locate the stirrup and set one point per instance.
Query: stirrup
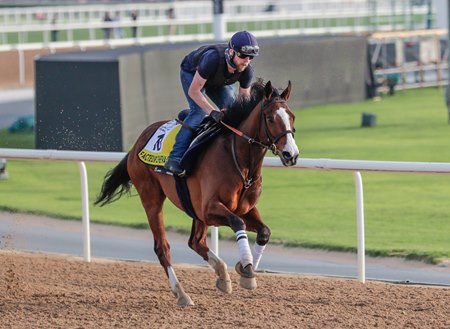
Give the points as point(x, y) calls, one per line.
point(174, 167)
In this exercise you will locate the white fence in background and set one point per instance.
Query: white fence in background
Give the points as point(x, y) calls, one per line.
point(59, 28)
point(83, 26)
point(204, 8)
point(355, 166)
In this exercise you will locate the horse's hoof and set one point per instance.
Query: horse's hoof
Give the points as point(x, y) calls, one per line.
point(185, 301)
point(247, 274)
point(248, 283)
point(224, 286)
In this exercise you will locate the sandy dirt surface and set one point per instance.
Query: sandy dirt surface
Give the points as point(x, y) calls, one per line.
point(56, 291)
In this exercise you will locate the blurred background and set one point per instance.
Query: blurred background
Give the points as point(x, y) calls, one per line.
point(91, 75)
point(117, 58)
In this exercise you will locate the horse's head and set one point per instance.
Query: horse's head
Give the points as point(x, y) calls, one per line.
point(278, 122)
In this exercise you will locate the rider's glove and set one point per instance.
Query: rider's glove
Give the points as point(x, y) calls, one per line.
point(217, 116)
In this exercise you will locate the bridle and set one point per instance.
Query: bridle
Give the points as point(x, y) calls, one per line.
point(270, 145)
point(271, 140)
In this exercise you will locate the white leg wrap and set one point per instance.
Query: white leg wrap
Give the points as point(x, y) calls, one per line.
point(244, 248)
point(257, 252)
point(172, 279)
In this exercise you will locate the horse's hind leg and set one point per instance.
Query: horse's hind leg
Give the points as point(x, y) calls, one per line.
point(197, 242)
point(153, 205)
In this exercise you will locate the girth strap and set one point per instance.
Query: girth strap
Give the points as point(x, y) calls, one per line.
point(184, 196)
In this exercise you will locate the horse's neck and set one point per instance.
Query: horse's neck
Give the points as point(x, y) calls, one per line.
point(252, 125)
point(250, 156)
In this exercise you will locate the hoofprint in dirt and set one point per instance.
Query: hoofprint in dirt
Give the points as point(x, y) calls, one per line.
point(51, 291)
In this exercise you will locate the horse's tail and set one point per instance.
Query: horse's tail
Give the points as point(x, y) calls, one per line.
point(116, 183)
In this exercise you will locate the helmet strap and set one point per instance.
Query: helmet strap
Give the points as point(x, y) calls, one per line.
point(229, 58)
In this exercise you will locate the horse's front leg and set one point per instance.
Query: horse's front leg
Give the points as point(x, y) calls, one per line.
point(254, 223)
point(218, 214)
point(245, 265)
point(197, 242)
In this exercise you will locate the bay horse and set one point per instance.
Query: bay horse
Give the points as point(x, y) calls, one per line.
point(224, 186)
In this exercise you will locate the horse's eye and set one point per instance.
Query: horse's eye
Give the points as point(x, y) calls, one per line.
point(293, 129)
point(270, 119)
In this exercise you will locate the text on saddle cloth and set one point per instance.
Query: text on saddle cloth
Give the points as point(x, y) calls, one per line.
point(158, 147)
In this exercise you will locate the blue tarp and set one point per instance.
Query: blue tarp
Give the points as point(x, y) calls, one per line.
point(25, 123)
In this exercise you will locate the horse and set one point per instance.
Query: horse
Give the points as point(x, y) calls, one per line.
point(224, 186)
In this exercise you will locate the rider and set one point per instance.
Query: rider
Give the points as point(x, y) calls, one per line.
point(211, 70)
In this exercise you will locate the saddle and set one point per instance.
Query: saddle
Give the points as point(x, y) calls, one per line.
point(205, 134)
point(159, 145)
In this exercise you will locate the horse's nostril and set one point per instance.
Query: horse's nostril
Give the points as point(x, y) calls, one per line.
point(287, 155)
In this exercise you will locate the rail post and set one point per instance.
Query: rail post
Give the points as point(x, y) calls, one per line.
point(360, 227)
point(85, 211)
point(21, 55)
point(215, 240)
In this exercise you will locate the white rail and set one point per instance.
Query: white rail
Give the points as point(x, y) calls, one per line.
point(286, 17)
point(355, 166)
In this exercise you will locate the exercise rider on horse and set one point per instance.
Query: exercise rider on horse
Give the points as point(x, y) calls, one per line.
point(212, 70)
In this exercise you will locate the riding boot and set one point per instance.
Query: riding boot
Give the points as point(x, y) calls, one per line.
point(173, 166)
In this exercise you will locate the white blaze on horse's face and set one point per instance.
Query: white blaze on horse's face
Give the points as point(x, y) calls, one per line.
point(290, 151)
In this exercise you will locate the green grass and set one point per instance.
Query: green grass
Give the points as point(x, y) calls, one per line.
point(412, 126)
point(405, 214)
point(23, 140)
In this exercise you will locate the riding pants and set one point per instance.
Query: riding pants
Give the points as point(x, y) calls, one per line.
point(222, 97)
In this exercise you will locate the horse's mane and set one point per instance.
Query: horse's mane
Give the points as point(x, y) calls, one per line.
point(241, 108)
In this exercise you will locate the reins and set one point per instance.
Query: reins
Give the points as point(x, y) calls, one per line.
point(271, 139)
point(250, 140)
point(270, 146)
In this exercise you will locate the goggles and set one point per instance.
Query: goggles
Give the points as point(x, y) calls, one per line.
point(250, 50)
point(244, 56)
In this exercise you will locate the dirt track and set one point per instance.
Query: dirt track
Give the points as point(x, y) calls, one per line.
point(49, 291)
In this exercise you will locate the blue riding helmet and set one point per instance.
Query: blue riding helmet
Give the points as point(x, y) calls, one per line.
point(244, 43)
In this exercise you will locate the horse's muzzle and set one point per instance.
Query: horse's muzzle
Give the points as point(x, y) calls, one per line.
point(288, 159)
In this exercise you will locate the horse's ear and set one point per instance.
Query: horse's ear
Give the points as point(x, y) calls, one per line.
point(287, 92)
point(268, 90)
